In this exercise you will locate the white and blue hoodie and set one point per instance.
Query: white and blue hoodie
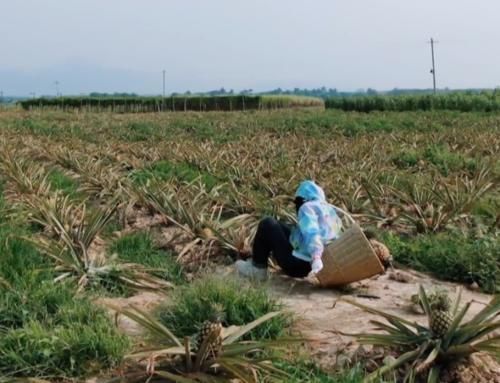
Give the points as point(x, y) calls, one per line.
point(318, 223)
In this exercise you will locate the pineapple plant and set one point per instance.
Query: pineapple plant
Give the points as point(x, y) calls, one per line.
point(429, 352)
point(76, 230)
point(174, 360)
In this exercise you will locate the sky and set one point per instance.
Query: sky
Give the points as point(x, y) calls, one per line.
point(124, 45)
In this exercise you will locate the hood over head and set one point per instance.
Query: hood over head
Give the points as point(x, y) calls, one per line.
point(310, 191)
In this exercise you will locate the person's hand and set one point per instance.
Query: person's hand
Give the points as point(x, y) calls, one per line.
point(316, 265)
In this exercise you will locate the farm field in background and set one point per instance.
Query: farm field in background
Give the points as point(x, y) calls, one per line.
point(106, 206)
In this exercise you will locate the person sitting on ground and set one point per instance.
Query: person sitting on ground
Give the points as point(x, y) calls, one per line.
point(297, 250)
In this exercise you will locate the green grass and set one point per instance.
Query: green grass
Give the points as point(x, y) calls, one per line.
point(60, 181)
point(46, 329)
point(447, 161)
point(307, 371)
point(406, 159)
point(139, 248)
point(138, 131)
point(164, 170)
point(78, 340)
point(193, 304)
point(230, 127)
point(452, 257)
point(439, 156)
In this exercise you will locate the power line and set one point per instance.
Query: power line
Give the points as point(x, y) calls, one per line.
point(433, 70)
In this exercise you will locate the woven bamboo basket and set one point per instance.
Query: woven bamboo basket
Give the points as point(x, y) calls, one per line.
point(349, 258)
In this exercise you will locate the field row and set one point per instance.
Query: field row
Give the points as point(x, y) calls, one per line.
point(98, 206)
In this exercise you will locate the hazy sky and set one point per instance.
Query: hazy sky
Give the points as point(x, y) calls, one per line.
point(123, 45)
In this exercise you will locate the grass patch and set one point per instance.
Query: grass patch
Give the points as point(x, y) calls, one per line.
point(76, 341)
point(60, 181)
point(193, 304)
point(444, 160)
point(406, 159)
point(139, 131)
point(164, 170)
point(46, 330)
point(447, 161)
point(307, 371)
point(452, 257)
point(139, 248)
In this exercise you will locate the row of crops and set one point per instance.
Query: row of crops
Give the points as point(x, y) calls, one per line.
point(484, 102)
point(176, 103)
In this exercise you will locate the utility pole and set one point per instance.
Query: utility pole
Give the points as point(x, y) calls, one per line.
point(56, 83)
point(163, 83)
point(433, 70)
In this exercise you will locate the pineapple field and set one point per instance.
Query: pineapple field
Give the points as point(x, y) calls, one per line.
point(118, 234)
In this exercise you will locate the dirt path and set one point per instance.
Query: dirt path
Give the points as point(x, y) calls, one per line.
point(320, 315)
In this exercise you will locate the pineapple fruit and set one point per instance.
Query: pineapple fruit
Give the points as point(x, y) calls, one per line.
point(440, 317)
point(212, 326)
point(382, 252)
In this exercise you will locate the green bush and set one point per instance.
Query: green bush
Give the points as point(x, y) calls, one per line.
point(139, 248)
point(241, 304)
point(451, 257)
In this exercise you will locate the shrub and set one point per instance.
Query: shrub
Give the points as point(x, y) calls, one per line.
point(195, 303)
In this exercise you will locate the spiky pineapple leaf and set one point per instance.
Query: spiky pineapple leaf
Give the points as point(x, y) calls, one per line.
point(162, 334)
point(401, 360)
point(452, 330)
point(237, 334)
point(433, 376)
point(390, 317)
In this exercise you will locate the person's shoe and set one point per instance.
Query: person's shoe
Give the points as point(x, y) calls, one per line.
point(248, 270)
